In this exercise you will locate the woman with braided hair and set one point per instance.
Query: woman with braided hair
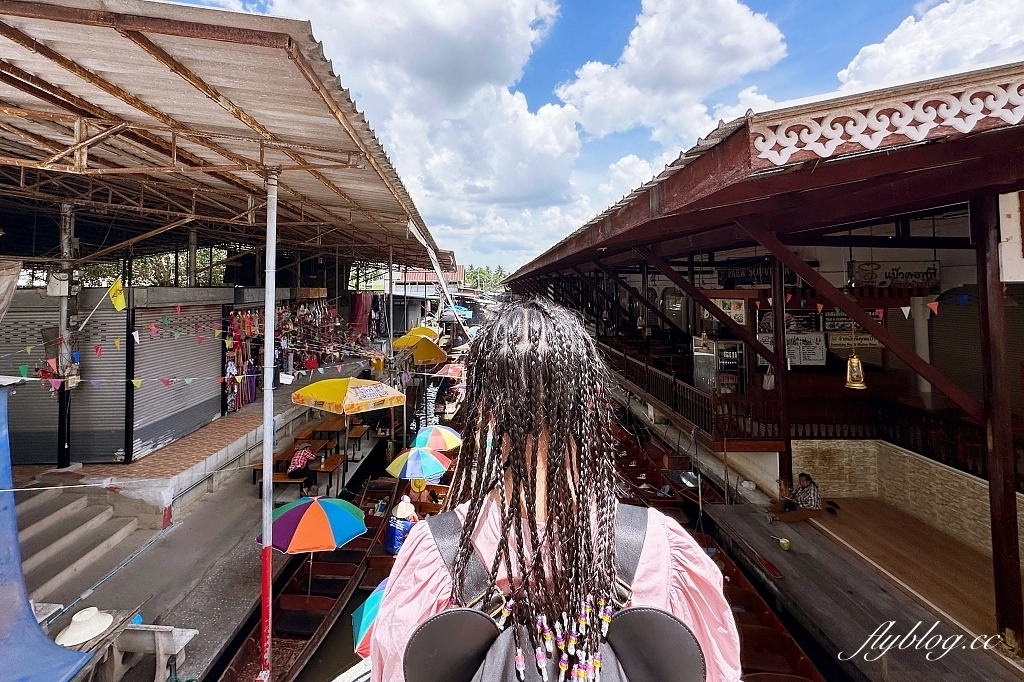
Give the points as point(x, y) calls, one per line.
point(534, 491)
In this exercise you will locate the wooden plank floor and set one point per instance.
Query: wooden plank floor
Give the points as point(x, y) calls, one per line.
point(841, 602)
point(943, 570)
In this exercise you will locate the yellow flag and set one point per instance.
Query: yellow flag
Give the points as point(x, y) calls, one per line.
point(137, 383)
point(116, 294)
point(117, 344)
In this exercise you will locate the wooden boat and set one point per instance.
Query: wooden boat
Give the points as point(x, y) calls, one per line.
point(768, 653)
point(316, 594)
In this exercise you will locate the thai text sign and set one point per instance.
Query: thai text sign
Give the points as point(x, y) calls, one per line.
point(896, 274)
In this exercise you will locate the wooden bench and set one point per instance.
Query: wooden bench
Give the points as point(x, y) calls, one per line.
point(135, 641)
point(279, 477)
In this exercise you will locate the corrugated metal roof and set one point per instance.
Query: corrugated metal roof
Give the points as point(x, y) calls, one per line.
point(211, 88)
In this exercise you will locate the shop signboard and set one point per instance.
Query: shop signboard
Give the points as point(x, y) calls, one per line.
point(845, 333)
point(806, 348)
point(896, 274)
point(749, 272)
point(734, 307)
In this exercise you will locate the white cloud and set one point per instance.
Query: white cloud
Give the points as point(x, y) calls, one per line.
point(952, 35)
point(679, 52)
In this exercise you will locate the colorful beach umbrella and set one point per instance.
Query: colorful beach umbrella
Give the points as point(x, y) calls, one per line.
point(363, 619)
point(419, 463)
point(315, 524)
point(440, 438)
point(348, 396)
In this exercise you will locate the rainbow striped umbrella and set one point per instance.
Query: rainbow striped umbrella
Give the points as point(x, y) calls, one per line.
point(419, 463)
point(315, 524)
point(440, 438)
point(363, 619)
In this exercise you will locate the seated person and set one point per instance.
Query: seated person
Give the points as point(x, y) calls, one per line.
point(803, 504)
point(299, 468)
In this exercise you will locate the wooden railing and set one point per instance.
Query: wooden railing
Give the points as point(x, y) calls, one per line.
point(945, 438)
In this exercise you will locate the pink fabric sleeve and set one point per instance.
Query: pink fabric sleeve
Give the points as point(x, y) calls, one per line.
point(675, 574)
point(419, 587)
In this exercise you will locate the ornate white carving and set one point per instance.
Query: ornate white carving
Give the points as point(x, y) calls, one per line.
point(869, 127)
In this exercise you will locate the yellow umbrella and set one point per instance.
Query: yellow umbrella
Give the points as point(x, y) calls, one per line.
point(425, 332)
point(348, 396)
point(424, 351)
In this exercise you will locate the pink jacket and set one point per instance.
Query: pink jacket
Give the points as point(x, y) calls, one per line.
point(674, 574)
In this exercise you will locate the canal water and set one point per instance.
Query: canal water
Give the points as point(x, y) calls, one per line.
point(334, 655)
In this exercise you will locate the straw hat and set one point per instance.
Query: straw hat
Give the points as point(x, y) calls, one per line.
point(418, 485)
point(404, 509)
point(85, 625)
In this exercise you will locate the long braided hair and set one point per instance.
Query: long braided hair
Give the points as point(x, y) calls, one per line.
point(537, 401)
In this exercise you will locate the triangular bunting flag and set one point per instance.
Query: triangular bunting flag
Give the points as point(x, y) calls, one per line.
point(338, 367)
point(220, 380)
point(200, 339)
point(28, 349)
point(177, 310)
point(23, 370)
point(117, 344)
point(165, 382)
point(962, 299)
point(769, 301)
point(934, 306)
point(59, 341)
point(229, 342)
point(880, 313)
point(95, 383)
point(76, 356)
point(302, 372)
point(55, 384)
point(821, 306)
point(135, 335)
point(757, 303)
point(789, 297)
point(320, 369)
point(239, 377)
point(906, 311)
point(217, 332)
point(838, 311)
point(98, 350)
point(188, 382)
point(177, 335)
point(165, 319)
point(153, 332)
point(137, 383)
point(52, 362)
point(287, 378)
point(803, 302)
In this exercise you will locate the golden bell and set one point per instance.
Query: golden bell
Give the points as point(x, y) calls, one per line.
point(704, 342)
point(854, 372)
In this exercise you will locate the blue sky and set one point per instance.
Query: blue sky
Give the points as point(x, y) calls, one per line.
point(513, 122)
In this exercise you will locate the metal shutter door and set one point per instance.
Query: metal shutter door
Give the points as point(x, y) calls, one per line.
point(97, 404)
point(166, 413)
point(32, 412)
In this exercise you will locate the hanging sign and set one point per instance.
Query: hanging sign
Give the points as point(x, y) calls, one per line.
point(749, 272)
point(806, 348)
point(845, 333)
point(797, 321)
point(896, 274)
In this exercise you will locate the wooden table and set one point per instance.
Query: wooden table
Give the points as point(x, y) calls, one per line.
point(329, 466)
point(286, 455)
point(355, 437)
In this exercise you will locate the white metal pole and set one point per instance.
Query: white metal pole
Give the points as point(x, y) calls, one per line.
point(391, 302)
point(269, 325)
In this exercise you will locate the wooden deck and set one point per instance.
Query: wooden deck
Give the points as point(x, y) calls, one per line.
point(935, 567)
point(842, 601)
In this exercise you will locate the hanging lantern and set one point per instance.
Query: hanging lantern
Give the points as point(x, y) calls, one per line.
point(704, 343)
point(855, 372)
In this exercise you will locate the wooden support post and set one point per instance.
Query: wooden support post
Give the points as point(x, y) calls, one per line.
point(782, 370)
point(691, 304)
point(853, 310)
point(1002, 470)
point(706, 303)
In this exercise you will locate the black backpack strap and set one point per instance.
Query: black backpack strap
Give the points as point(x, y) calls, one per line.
point(446, 529)
point(630, 532)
